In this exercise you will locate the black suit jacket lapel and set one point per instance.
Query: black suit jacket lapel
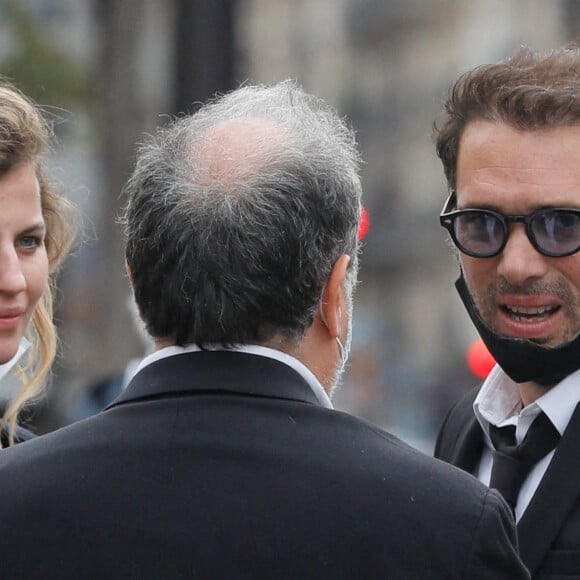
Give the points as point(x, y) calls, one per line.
point(558, 491)
point(469, 445)
point(461, 438)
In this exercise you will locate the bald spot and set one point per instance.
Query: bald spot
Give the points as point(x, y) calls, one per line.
point(233, 150)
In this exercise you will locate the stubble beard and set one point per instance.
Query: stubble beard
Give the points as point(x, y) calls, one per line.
point(486, 304)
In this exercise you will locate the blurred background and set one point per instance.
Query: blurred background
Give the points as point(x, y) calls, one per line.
point(108, 72)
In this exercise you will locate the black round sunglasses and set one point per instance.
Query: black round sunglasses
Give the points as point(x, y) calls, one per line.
point(483, 233)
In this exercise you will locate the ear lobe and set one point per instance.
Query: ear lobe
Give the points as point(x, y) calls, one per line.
point(330, 305)
point(128, 270)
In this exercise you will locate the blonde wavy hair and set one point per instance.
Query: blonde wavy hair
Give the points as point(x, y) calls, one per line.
point(24, 138)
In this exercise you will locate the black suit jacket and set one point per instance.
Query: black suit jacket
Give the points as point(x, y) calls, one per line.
point(549, 530)
point(222, 465)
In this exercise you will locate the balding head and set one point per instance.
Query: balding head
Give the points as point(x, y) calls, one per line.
point(237, 214)
point(231, 151)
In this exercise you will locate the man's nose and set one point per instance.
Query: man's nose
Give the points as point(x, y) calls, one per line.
point(12, 279)
point(519, 260)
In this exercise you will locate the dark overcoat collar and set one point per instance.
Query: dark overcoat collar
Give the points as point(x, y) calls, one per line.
point(217, 371)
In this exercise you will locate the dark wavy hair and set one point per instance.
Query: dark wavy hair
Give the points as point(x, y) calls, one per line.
point(243, 257)
point(528, 91)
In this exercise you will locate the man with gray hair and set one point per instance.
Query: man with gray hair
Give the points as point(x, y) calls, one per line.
point(223, 457)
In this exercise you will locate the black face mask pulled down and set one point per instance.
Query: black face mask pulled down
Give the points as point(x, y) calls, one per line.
point(523, 360)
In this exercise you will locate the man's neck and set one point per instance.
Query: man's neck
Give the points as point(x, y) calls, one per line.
point(530, 392)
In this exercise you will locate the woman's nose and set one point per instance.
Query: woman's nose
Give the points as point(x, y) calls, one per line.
point(12, 279)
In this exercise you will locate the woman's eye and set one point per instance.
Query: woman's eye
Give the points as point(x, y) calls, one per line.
point(30, 242)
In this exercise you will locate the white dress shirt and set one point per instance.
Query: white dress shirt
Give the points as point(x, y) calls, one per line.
point(498, 402)
point(264, 351)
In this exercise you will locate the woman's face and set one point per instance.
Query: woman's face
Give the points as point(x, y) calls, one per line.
point(23, 258)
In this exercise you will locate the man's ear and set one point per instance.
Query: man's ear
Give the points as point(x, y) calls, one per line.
point(332, 297)
point(128, 270)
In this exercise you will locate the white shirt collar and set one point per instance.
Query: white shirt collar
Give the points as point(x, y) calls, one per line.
point(498, 402)
point(264, 351)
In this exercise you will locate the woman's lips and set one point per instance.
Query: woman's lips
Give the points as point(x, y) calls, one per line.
point(10, 318)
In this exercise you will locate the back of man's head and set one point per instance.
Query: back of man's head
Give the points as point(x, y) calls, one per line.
point(237, 214)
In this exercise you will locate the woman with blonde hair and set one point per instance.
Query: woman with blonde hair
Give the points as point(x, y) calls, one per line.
point(36, 232)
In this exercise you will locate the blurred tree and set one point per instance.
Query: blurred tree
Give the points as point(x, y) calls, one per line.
point(205, 50)
point(123, 119)
point(39, 66)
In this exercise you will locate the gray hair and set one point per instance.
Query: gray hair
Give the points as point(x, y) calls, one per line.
point(242, 254)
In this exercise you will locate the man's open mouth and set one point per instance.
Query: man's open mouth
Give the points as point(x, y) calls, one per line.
point(529, 314)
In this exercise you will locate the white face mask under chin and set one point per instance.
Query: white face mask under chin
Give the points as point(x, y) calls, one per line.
point(338, 342)
point(341, 351)
point(343, 356)
point(7, 366)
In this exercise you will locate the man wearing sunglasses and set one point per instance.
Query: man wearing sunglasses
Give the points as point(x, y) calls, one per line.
point(509, 141)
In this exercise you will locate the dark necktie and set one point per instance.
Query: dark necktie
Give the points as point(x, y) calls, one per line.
point(511, 462)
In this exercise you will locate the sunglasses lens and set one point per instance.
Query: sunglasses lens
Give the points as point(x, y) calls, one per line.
point(478, 232)
point(557, 232)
